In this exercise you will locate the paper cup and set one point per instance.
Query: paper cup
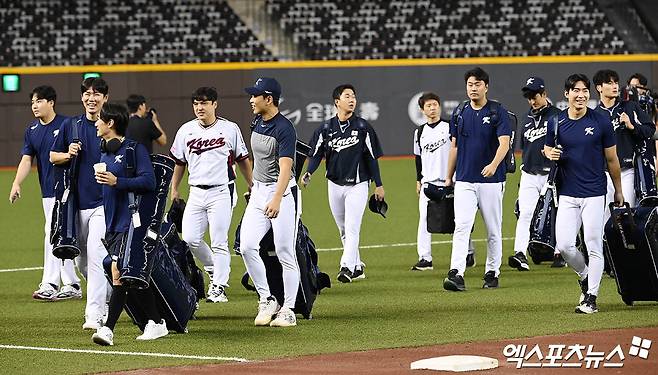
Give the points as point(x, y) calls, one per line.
point(100, 167)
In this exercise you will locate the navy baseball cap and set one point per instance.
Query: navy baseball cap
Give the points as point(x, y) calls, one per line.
point(265, 85)
point(378, 207)
point(534, 84)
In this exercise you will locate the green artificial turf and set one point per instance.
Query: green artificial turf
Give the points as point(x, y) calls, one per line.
point(392, 307)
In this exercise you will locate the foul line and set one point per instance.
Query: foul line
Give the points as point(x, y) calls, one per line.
point(22, 269)
point(164, 355)
point(406, 244)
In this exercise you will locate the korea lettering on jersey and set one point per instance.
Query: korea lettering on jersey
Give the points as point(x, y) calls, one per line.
point(348, 149)
point(433, 147)
point(209, 152)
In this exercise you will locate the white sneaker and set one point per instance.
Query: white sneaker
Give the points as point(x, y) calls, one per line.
point(46, 292)
point(153, 331)
point(69, 292)
point(103, 336)
point(266, 310)
point(216, 293)
point(285, 318)
point(92, 323)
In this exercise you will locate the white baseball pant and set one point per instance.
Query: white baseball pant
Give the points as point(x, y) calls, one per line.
point(588, 212)
point(529, 192)
point(627, 188)
point(255, 224)
point(489, 198)
point(347, 205)
point(424, 238)
point(54, 269)
point(91, 228)
point(210, 208)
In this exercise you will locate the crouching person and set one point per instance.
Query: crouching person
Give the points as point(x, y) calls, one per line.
point(118, 183)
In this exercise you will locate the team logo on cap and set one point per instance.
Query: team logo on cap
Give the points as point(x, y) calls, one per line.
point(529, 81)
point(259, 80)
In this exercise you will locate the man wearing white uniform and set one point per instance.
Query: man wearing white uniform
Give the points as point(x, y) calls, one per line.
point(208, 146)
point(274, 203)
point(480, 133)
point(431, 149)
point(585, 146)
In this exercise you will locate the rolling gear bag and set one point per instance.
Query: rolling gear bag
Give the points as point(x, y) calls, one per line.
point(632, 247)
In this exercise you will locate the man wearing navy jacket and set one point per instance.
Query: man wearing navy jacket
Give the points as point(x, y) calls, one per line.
point(350, 147)
point(534, 169)
point(117, 184)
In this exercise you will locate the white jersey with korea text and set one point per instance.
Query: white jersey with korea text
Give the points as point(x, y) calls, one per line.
point(434, 149)
point(209, 152)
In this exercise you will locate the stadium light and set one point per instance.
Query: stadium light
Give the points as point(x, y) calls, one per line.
point(91, 75)
point(11, 83)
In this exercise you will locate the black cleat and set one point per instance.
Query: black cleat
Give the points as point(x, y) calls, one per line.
point(422, 265)
point(490, 280)
point(519, 261)
point(358, 274)
point(344, 275)
point(558, 261)
point(454, 282)
point(588, 305)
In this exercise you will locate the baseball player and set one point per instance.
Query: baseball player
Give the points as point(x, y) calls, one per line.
point(351, 148)
point(480, 131)
point(91, 216)
point(275, 203)
point(431, 149)
point(585, 145)
point(633, 130)
point(534, 170)
point(39, 137)
point(208, 146)
point(116, 185)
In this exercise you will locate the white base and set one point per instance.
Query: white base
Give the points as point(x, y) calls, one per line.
point(456, 363)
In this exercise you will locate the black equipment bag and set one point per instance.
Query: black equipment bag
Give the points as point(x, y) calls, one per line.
point(645, 175)
point(175, 298)
point(632, 248)
point(440, 208)
point(312, 281)
point(542, 226)
point(136, 258)
point(63, 227)
point(181, 253)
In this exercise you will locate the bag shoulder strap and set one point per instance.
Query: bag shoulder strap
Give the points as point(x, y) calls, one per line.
point(458, 111)
point(130, 158)
point(75, 128)
point(419, 133)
